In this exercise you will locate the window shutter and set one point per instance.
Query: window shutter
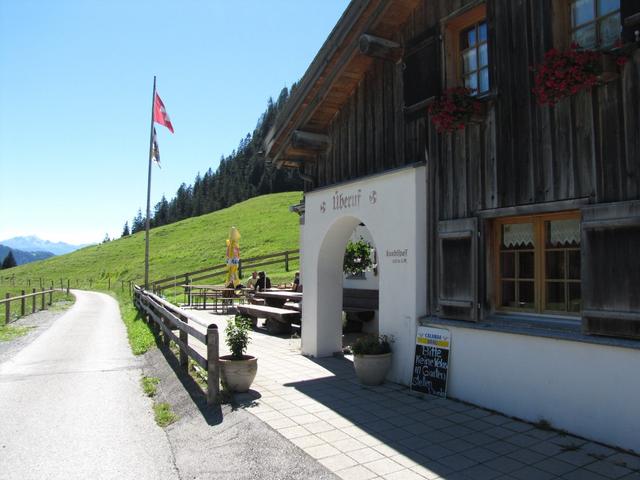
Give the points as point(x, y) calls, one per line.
point(630, 16)
point(421, 77)
point(610, 269)
point(458, 269)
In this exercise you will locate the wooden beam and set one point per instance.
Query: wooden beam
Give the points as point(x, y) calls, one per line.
point(301, 140)
point(380, 47)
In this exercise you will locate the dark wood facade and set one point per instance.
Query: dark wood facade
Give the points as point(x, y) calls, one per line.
point(521, 158)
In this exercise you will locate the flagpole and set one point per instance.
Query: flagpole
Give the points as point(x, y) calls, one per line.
point(146, 245)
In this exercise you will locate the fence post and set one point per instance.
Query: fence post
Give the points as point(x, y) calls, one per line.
point(286, 261)
point(184, 358)
point(42, 299)
point(7, 307)
point(188, 289)
point(33, 302)
point(213, 365)
point(51, 296)
point(22, 301)
point(239, 268)
point(109, 279)
point(67, 286)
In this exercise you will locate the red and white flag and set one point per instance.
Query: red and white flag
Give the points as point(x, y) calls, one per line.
point(160, 115)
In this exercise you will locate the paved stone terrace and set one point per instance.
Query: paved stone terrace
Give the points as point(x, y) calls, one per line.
point(387, 432)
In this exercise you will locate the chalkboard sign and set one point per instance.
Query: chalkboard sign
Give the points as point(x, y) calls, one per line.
point(431, 364)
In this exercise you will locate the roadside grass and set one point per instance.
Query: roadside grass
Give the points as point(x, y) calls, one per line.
point(164, 414)
point(9, 332)
point(150, 385)
point(141, 338)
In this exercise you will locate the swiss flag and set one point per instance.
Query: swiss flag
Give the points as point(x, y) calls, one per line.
point(160, 115)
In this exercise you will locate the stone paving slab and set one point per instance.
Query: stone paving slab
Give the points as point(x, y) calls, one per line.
point(389, 432)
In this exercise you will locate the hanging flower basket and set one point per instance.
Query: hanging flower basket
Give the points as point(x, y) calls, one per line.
point(565, 73)
point(454, 109)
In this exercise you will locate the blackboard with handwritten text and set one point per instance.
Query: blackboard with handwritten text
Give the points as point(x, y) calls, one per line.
point(431, 363)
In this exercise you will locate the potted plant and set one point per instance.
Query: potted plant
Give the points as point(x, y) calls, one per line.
point(565, 73)
point(357, 258)
point(372, 358)
point(238, 370)
point(454, 109)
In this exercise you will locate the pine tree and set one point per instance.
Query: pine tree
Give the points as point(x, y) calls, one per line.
point(125, 230)
point(9, 261)
point(138, 223)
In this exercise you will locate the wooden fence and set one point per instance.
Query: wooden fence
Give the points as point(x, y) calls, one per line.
point(22, 299)
point(168, 318)
point(106, 283)
point(246, 264)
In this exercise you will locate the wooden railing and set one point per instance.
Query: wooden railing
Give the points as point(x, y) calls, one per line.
point(106, 283)
point(168, 318)
point(22, 298)
point(219, 270)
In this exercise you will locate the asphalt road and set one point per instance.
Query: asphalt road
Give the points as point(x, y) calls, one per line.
point(71, 406)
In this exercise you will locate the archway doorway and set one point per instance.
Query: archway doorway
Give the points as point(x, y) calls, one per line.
point(392, 207)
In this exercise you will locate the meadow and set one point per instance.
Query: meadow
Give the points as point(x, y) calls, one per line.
point(265, 224)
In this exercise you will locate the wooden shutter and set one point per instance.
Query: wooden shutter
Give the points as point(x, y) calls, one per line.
point(630, 17)
point(458, 269)
point(610, 269)
point(421, 79)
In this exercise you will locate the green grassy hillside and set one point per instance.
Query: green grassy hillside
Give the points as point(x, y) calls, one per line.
point(265, 223)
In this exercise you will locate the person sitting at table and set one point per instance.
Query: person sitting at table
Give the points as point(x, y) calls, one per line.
point(296, 282)
point(263, 282)
point(251, 283)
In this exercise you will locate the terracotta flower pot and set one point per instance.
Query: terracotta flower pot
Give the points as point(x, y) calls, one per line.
point(238, 375)
point(372, 369)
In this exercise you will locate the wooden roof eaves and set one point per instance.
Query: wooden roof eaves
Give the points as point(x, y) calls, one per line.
point(318, 98)
point(316, 70)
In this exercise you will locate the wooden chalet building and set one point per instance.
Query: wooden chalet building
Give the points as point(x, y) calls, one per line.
point(519, 233)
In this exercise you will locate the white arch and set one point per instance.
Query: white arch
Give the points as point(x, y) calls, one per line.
point(392, 208)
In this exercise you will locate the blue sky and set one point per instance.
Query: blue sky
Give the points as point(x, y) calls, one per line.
point(76, 78)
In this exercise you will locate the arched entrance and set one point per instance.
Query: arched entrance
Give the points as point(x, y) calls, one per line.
point(392, 206)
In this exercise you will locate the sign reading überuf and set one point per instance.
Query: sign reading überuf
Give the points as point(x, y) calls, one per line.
point(431, 364)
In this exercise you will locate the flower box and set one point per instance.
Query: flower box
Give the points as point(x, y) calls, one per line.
point(454, 109)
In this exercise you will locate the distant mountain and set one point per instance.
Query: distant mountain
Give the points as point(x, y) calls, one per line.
point(23, 257)
point(35, 244)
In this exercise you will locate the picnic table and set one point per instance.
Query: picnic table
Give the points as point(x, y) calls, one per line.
point(277, 298)
point(221, 297)
point(280, 310)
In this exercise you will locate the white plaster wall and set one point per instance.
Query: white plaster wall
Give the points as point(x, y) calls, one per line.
point(392, 208)
point(590, 390)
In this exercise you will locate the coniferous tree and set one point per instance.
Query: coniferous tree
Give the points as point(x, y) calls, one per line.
point(138, 223)
point(9, 261)
point(125, 230)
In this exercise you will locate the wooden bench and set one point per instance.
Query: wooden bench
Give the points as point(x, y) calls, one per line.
point(360, 306)
point(278, 320)
point(359, 300)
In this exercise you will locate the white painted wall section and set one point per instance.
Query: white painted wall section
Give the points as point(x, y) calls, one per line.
point(590, 390)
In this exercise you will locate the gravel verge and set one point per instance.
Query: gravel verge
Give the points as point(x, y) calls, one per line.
point(223, 442)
